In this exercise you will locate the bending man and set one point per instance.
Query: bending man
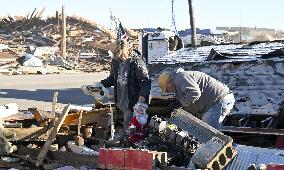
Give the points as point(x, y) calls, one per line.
point(199, 94)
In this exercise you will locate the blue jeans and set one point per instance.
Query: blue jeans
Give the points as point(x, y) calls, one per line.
point(218, 111)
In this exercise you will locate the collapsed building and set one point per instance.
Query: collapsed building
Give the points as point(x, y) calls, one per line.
point(34, 42)
point(251, 137)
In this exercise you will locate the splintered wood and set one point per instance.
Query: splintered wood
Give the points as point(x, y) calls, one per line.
point(52, 135)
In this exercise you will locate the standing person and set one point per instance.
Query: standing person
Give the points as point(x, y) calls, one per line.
point(130, 78)
point(199, 94)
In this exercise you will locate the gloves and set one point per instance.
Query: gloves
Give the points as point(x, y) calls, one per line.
point(97, 90)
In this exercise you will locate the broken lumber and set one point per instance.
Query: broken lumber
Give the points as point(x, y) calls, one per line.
point(54, 101)
point(39, 118)
point(68, 158)
point(101, 117)
point(52, 135)
point(36, 134)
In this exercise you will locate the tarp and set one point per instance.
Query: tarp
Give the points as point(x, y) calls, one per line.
point(30, 60)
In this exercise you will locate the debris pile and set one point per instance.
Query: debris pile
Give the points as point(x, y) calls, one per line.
point(31, 45)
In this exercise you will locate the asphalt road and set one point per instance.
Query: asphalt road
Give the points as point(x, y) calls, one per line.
point(37, 90)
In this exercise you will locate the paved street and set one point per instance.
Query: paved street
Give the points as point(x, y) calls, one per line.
point(37, 90)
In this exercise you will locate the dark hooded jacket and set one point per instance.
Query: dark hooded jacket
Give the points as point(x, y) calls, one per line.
point(138, 81)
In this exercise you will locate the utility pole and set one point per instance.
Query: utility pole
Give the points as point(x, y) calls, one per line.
point(192, 23)
point(63, 40)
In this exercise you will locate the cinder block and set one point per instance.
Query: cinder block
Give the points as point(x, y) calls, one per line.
point(138, 159)
point(215, 154)
point(160, 157)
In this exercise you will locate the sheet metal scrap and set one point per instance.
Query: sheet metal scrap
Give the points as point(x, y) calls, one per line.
point(216, 150)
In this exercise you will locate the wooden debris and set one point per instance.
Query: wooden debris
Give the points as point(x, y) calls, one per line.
point(52, 135)
point(98, 116)
point(38, 117)
point(54, 101)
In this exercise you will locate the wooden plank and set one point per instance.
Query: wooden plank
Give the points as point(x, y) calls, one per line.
point(52, 135)
point(37, 133)
point(95, 116)
point(39, 118)
point(22, 133)
point(54, 101)
point(80, 123)
point(65, 158)
point(63, 40)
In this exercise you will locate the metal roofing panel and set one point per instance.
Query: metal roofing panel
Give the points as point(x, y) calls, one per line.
point(248, 155)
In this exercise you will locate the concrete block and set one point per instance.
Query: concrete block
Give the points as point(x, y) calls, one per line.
point(215, 154)
point(160, 157)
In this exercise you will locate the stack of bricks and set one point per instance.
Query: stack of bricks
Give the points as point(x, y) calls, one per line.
point(130, 159)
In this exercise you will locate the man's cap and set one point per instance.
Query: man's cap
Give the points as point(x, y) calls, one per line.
point(163, 81)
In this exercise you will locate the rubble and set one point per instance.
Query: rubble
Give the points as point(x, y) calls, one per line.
point(81, 136)
point(40, 38)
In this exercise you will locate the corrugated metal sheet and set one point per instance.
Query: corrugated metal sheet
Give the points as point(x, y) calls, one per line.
point(236, 52)
point(248, 155)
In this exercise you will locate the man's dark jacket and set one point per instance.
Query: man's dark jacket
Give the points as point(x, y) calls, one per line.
point(138, 81)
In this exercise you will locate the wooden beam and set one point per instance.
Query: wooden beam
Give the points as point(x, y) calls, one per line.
point(54, 101)
point(35, 134)
point(52, 135)
point(65, 158)
point(63, 40)
point(22, 133)
point(39, 118)
point(98, 116)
